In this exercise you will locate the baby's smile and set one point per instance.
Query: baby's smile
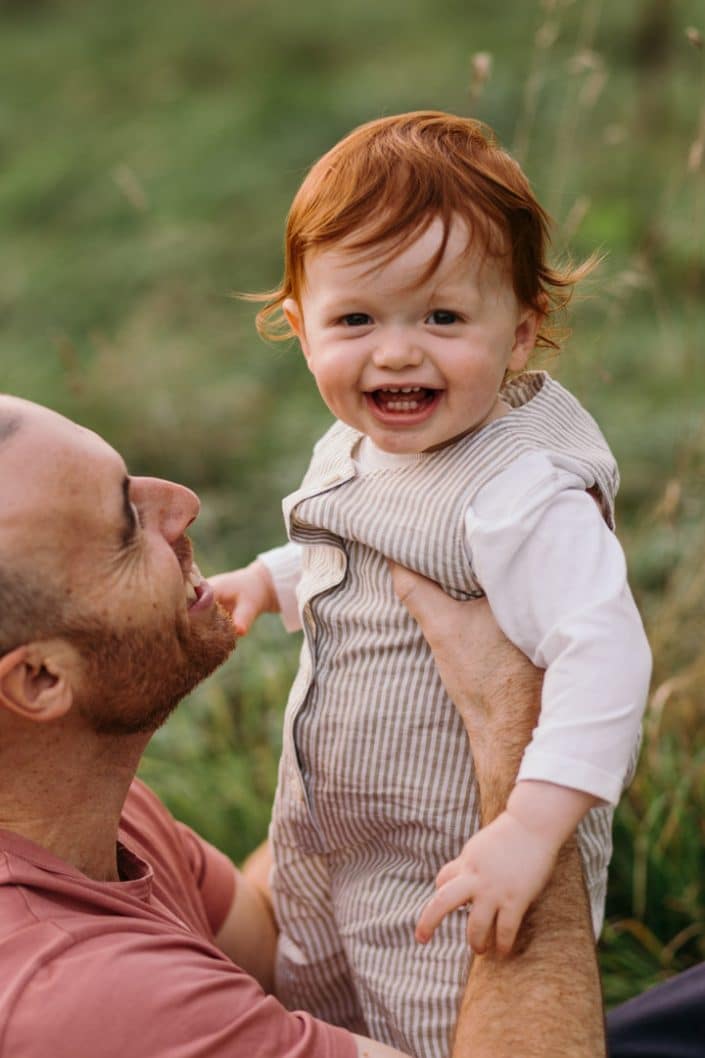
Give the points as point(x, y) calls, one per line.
point(399, 400)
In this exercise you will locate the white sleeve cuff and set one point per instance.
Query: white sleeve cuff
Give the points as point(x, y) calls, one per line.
point(284, 565)
point(571, 772)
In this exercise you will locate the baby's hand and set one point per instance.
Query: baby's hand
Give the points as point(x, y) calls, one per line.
point(246, 593)
point(501, 870)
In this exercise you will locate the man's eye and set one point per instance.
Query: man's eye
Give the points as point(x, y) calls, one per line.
point(356, 319)
point(443, 317)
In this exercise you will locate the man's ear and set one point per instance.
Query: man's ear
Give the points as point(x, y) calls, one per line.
point(295, 319)
point(36, 681)
point(524, 338)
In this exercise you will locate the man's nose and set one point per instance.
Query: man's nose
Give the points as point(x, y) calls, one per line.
point(397, 350)
point(164, 505)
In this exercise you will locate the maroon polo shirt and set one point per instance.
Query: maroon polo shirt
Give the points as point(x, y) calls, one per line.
point(129, 968)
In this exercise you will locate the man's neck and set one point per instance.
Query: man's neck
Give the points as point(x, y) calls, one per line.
point(71, 796)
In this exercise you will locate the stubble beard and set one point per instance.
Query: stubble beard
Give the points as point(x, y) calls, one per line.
point(135, 677)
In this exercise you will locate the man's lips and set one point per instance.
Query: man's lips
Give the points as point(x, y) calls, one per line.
point(205, 598)
point(199, 594)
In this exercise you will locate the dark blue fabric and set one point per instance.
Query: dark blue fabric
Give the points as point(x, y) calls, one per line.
point(668, 1021)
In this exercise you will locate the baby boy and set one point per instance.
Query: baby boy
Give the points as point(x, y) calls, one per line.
point(417, 283)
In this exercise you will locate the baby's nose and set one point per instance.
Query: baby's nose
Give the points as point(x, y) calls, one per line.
point(397, 351)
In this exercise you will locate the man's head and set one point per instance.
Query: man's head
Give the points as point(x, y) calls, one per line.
point(103, 615)
point(381, 187)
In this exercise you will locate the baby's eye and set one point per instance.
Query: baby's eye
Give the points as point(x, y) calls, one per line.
point(442, 317)
point(356, 319)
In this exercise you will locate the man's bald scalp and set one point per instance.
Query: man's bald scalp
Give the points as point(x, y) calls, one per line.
point(28, 610)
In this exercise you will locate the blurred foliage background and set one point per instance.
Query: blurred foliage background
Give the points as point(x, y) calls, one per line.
point(148, 154)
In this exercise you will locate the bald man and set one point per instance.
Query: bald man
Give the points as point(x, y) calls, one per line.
point(123, 932)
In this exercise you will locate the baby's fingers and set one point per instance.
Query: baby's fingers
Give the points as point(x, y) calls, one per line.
point(244, 614)
point(450, 896)
point(508, 922)
point(225, 594)
point(448, 872)
point(480, 922)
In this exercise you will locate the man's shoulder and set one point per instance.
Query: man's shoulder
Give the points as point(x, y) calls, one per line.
point(112, 989)
point(64, 957)
point(105, 968)
point(149, 994)
point(113, 968)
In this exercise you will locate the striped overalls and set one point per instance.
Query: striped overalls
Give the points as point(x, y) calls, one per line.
point(376, 785)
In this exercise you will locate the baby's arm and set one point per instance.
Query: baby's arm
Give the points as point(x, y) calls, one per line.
point(555, 577)
point(267, 585)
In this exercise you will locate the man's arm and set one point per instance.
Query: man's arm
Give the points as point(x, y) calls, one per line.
point(248, 934)
point(543, 1000)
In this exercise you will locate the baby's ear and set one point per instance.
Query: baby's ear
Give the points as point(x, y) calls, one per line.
point(295, 319)
point(524, 338)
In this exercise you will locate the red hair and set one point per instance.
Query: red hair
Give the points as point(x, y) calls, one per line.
point(388, 180)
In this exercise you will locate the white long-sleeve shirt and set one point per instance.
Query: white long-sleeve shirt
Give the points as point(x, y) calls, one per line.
point(555, 577)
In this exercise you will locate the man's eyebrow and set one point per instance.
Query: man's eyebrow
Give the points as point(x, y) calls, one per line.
point(130, 527)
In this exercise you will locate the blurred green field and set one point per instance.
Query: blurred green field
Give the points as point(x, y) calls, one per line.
point(149, 151)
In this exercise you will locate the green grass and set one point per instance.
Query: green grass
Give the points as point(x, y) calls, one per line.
point(149, 153)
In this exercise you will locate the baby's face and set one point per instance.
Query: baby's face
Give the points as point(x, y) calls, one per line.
point(412, 365)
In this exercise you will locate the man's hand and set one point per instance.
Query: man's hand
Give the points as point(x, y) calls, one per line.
point(246, 593)
point(456, 631)
point(501, 871)
point(492, 684)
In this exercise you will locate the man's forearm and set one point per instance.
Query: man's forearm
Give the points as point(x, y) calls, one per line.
point(544, 1000)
